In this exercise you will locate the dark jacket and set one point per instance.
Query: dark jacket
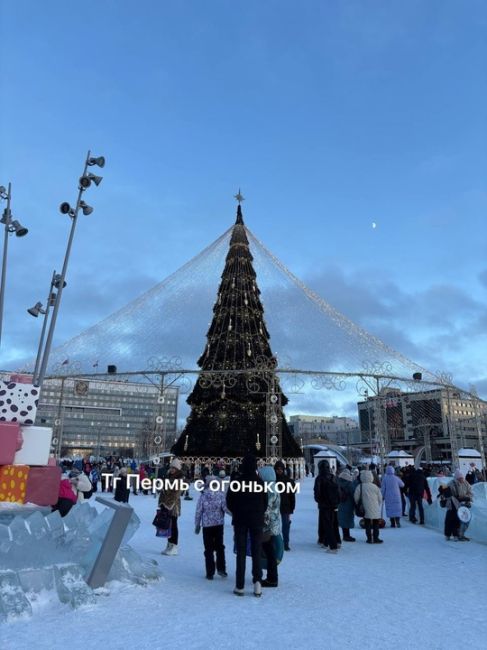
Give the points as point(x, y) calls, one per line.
point(247, 507)
point(326, 490)
point(418, 485)
point(288, 499)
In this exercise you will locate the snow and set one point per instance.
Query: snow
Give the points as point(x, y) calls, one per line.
point(416, 590)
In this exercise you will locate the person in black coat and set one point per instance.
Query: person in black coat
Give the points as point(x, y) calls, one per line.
point(418, 485)
point(327, 496)
point(288, 501)
point(122, 491)
point(248, 508)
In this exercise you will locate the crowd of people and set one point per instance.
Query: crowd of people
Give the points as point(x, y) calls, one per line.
point(261, 518)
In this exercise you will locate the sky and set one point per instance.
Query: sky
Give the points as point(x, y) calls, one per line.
point(330, 116)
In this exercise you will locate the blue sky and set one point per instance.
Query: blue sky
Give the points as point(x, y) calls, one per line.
point(329, 116)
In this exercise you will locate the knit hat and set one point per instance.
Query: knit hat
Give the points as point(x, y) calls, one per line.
point(267, 474)
point(176, 463)
point(346, 474)
point(458, 474)
point(74, 473)
point(279, 465)
point(222, 473)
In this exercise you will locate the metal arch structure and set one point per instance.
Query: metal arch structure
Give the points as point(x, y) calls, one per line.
point(372, 383)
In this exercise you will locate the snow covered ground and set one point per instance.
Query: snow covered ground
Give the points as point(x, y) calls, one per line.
point(414, 591)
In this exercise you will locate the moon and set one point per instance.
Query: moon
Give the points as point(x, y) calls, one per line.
point(374, 225)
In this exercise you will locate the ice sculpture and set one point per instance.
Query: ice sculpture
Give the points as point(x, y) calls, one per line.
point(47, 552)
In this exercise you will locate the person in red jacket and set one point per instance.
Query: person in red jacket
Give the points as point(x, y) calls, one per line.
point(67, 497)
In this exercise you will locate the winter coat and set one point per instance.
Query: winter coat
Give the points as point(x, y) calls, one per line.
point(346, 508)
point(418, 485)
point(66, 491)
point(247, 507)
point(326, 491)
point(461, 492)
point(288, 499)
point(82, 485)
point(171, 498)
point(391, 493)
point(122, 491)
point(211, 508)
point(272, 515)
point(371, 496)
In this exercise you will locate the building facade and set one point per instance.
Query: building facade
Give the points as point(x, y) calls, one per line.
point(105, 417)
point(434, 419)
point(338, 429)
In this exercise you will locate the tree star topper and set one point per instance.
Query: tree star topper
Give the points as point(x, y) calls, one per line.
point(239, 197)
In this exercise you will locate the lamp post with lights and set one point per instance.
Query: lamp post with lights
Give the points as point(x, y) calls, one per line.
point(11, 226)
point(85, 182)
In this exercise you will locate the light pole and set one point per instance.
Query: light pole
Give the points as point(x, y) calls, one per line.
point(38, 309)
point(10, 227)
point(84, 183)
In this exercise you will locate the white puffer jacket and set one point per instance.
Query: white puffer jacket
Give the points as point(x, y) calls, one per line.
point(371, 496)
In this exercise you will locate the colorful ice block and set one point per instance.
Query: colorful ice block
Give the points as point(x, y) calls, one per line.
point(43, 485)
point(13, 483)
point(18, 402)
point(36, 446)
point(9, 441)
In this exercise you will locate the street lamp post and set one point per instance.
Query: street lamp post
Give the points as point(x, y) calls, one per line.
point(38, 309)
point(84, 183)
point(11, 226)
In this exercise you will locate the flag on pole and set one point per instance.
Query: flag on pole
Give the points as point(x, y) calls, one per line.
point(65, 362)
point(95, 365)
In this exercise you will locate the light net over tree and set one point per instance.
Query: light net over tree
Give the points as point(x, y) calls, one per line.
point(229, 417)
point(170, 320)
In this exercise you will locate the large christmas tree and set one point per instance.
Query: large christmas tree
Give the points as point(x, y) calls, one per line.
point(240, 410)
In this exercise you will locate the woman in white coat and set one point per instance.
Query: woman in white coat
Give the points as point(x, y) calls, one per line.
point(371, 498)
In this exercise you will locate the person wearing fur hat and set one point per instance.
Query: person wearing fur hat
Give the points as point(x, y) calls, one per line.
point(460, 495)
point(371, 498)
point(210, 514)
point(170, 498)
point(288, 501)
point(272, 525)
point(247, 508)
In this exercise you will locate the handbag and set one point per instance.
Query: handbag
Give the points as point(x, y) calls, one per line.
point(162, 522)
point(359, 507)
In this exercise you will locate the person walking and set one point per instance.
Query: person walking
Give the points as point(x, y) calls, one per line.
point(328, 498)
point(391, 494)
point(170, 498)
point(210, 515)
point(247, 508)
point(288, 501)
point(346, 507)
point(272, 525)
point(418, 487)
point(371, 498)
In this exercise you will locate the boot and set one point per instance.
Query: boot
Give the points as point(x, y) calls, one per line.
point(376, 532)
point(393, 522)
point(257, 589)
point(171, 549)
point(346, 535)
point(398, 522)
